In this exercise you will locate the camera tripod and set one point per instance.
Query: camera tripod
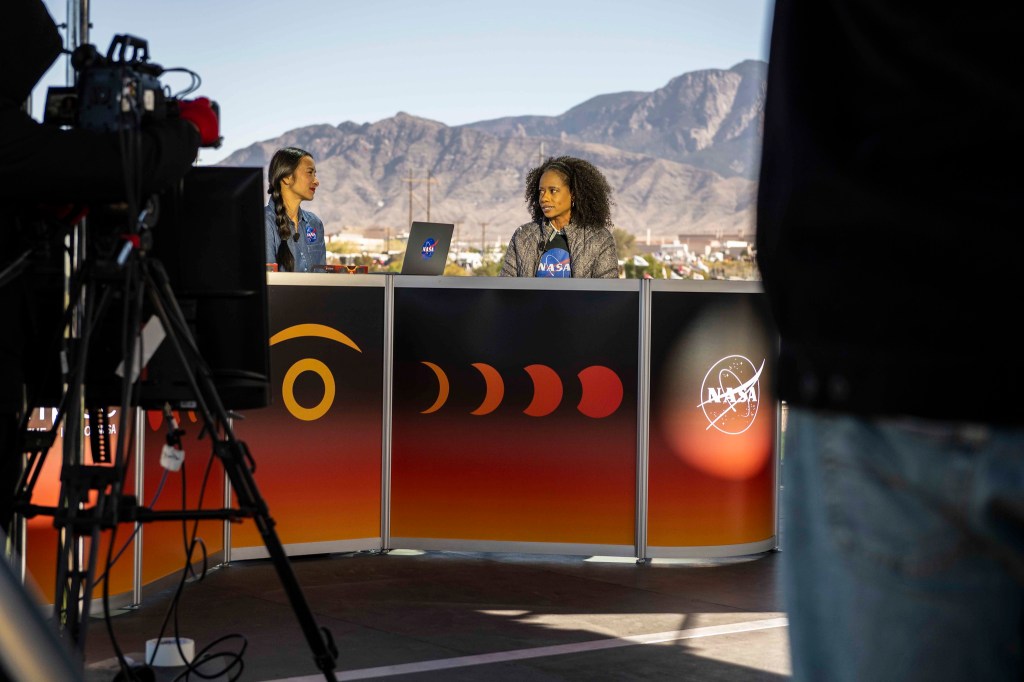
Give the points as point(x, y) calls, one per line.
point(92, 497)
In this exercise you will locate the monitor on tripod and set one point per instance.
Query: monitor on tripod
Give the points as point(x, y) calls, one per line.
point(209, 237)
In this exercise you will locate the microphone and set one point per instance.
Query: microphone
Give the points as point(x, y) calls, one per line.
point(544, 242)
point(172, 456)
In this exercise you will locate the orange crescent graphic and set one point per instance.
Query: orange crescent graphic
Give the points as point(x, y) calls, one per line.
point(322, 330)
point(602, 392)
point(495, 389)
point(442, 388)
point(547, 391)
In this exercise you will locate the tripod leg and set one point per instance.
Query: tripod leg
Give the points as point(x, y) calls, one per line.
point(234, 456)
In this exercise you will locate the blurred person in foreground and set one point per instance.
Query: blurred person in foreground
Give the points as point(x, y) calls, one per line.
point(49, 177)
point(295, 237)
point(889, 239)
point(570, 235)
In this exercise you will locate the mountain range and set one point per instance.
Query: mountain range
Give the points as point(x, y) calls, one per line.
point(682, 160)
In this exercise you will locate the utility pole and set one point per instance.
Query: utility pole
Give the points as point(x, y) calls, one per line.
point(483, 238)
point(411, 180)
point(540, 156)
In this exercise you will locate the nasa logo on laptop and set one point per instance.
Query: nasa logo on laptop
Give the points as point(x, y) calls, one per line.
point(427, 250)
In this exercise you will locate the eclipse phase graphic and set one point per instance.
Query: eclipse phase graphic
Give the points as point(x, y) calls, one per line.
point(495, 389)
point(442, 388)
point(547, 390)
point(602, 390)
point(310, 365)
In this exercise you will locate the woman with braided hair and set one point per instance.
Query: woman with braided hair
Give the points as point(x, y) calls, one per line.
point(295, 238)
point(570, 236)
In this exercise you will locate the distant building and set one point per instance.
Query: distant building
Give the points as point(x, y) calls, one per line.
point(685, 247)
point(359, 241)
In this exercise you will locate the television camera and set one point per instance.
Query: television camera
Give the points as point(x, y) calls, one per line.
point(121, 92)
point(121, 273)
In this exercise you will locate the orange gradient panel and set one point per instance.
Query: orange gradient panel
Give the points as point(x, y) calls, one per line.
point(554, 461)
point(320, 475)
point(563, 478)
point(719, 492)
point(714, 513)
point(735, 457)
point(713, 415)
point(320, 479)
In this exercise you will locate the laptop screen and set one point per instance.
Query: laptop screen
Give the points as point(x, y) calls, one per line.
point(426, 252)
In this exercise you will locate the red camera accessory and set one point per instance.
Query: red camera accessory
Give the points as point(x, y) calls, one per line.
point(204, 115)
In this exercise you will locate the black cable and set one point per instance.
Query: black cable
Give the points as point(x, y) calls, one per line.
point(135, 531)
point(191, 543)
point(122, 661)
point(202, 657)
point(193, 86)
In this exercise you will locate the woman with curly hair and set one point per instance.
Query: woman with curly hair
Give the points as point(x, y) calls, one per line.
point(570, 236)
point(295, 238)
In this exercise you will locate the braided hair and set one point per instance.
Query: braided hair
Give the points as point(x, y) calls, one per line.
point(591, 193)
point(283, 165)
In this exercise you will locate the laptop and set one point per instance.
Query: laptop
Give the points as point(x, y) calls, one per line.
point(426, 252)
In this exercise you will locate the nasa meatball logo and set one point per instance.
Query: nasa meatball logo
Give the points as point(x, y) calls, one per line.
point(428, 248)
point(554, 263)
point(730, 394)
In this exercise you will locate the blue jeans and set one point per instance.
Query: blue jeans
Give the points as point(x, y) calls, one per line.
point(903, 549)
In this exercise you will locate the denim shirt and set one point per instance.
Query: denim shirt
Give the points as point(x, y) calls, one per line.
point(309, 250)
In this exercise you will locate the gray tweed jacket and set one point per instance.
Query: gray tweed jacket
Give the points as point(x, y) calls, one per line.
point(592, 250)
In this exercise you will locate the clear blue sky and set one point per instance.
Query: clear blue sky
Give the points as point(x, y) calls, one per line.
point(274, 65)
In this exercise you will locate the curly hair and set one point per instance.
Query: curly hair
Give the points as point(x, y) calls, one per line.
point(591, 194)
point(283, 165)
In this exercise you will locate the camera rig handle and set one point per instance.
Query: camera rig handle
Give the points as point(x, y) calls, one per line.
point(128, 49)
